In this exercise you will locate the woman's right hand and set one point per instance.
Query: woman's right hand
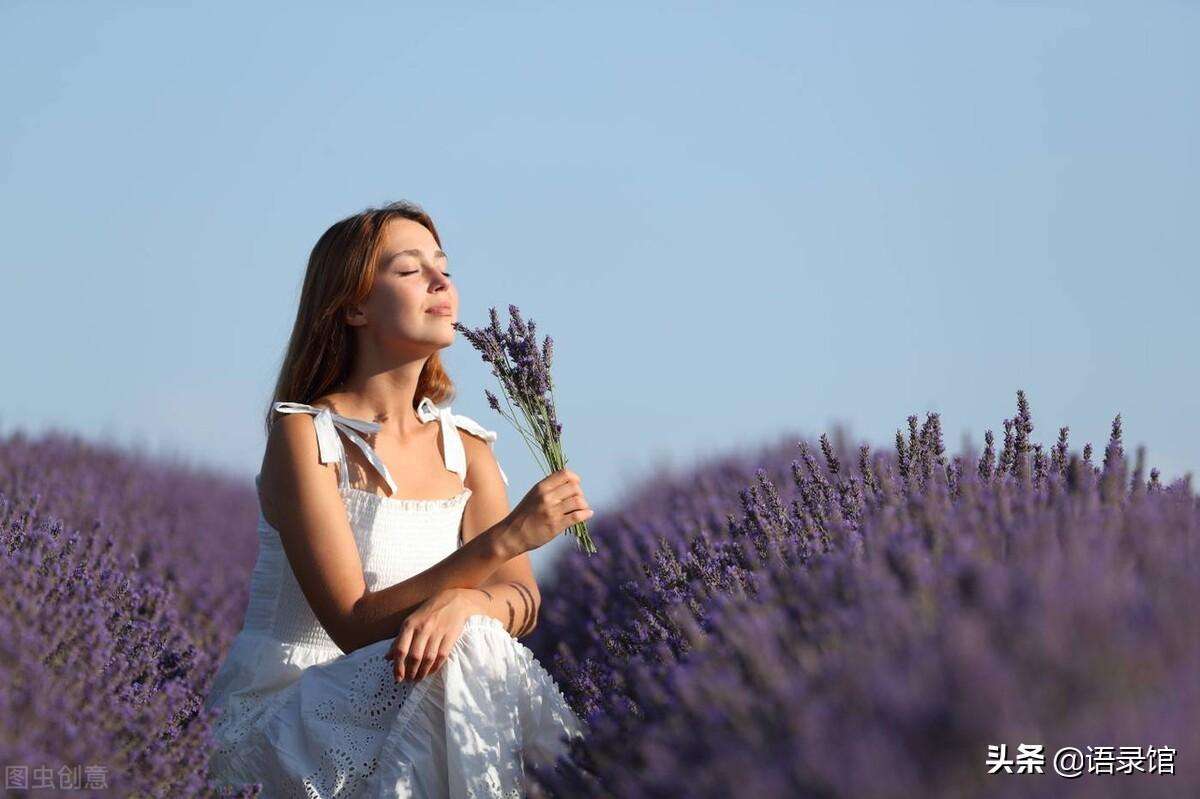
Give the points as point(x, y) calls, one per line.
point(555, 503)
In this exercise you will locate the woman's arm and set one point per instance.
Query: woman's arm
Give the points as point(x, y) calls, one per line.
point(300, 499)
point(378, 614)
point(510, 593)
point(514, 602)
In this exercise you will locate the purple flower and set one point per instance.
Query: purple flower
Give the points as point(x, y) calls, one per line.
point(524, 373)
point(777, 625)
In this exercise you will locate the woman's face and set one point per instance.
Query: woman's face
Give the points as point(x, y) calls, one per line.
point(411, 282)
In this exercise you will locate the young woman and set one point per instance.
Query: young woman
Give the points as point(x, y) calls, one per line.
point(379, 655)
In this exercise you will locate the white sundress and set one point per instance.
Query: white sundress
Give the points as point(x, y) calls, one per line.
point(309, 721)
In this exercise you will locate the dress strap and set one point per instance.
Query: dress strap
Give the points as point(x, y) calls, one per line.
point(456, 455)
point(329, 444)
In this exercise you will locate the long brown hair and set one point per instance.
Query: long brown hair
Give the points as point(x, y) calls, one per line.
point(341, 271)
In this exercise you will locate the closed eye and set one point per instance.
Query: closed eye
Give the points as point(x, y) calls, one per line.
point(413, 272)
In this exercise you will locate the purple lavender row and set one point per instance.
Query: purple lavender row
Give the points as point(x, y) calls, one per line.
point(121, 582)
point(858, 623)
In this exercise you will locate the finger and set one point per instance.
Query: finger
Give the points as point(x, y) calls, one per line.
point(562, 477)
point(416, 655)
point(431, 651)
point(417, 659)
point(448, 643)
point(442, 657)
point(401, 646)
point(564, 491)
point(572, 503)
point(576, 516)
point(399, 661)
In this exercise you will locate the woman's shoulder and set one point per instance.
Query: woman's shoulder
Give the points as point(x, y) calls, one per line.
point(469, 425)
point(478, 443)
point(330, 401)
point(286, 408)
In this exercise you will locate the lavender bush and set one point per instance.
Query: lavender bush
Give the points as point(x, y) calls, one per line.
point(116, 601)
point(870, 631)
point(845, 623)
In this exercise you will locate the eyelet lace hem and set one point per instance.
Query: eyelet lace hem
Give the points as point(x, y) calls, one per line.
point(541, 677)
point(361, 741)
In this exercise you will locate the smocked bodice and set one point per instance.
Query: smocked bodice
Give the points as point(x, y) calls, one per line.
point(396, 539)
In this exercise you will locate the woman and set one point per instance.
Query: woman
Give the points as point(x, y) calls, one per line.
point(379, 654)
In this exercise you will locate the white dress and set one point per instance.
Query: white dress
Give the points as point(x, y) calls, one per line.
point(307, 720)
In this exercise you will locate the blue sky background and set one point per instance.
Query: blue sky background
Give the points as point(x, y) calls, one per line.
point(738, 222)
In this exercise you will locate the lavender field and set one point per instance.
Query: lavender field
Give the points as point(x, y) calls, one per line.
point(122, 583)
point(812, 619)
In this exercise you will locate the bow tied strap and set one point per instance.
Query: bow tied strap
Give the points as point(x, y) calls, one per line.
point(456, 455)
point(329, 443)
point(331, 449)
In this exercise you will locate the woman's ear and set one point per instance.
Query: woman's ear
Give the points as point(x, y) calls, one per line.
point(354, 315)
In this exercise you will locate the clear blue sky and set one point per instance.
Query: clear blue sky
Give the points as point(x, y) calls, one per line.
point(736, 222)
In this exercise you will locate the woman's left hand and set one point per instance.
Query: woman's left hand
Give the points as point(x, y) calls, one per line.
point(429, 633)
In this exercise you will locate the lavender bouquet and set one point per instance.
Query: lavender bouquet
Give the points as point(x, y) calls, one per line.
point(524, 373)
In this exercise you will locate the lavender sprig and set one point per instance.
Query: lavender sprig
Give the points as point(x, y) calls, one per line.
point(524, 373)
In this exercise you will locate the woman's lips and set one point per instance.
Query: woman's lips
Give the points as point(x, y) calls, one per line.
point(440, 311)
